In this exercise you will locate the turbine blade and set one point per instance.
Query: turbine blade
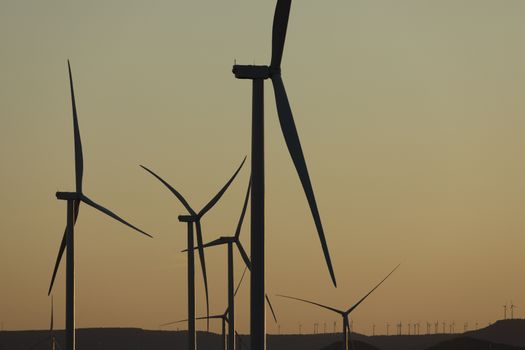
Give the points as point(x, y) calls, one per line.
point(280, 24)
point(174, 191)
point(173, 322)
point(373, 289)
point(240, 281)
point(244, 256)
point(294, 147)
point(79, 161)
point(203, 266)
point(218, 241)
point(186, 320)
point(311, 302)
point(51, 325)
point(62, 249)
point(218, 196)
point(109, 213)
point(271, 307)
point(243, 212)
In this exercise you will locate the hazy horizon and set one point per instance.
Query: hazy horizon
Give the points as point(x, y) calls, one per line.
point(411, 117)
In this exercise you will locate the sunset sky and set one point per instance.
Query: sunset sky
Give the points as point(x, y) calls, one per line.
point(411, 115)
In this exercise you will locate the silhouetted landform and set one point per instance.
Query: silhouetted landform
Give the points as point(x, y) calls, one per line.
point(467, 343)
point(357, 345)
point(508, 332)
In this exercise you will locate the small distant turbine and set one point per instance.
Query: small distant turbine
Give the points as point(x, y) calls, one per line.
point(230, 241)
point(512, 307)
point(345, 314)
point(73, 205)
point(223, 317)
point(50, 337)
point(194, 218)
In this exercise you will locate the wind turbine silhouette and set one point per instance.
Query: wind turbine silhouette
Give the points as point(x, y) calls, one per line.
point(191, 219)
point(258, 74)
point(224, 317)
point(73, 205)
point(230, 241)
point(54, 344)
point(345, 314)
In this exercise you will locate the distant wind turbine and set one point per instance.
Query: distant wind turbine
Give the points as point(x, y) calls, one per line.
point(194, 218)
point(345, 314)
point(512, 307)
point(223, 317)
point(73, 205)
point(258, 74)
point(229, 241)
point(50, 337)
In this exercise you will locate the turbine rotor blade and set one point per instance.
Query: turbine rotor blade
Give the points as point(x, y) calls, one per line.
point(173, 190)
point(218, 196)
point(311, 302)
point(203, 266)
point(218, 241)
point(109, 213)
point(244, 256)
point(280, 24)
point(294, 147)
point(243, 212)
point(62, 249)
point(240, 281)
point(51, 325)
point(271, 307)
point(373, 289)
point(186, 320)
point(79, 161)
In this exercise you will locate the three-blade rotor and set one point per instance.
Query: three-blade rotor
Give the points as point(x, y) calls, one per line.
point(79, 196)
point(196, 217)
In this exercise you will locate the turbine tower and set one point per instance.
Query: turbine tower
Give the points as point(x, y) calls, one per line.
point(505, 311)
point(345, 314)
point(73, 205)
point(194, 219)
point(258, 74)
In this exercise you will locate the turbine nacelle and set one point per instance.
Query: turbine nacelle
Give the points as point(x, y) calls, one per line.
point(69, 196)
point(188, 218)
point(254, 72)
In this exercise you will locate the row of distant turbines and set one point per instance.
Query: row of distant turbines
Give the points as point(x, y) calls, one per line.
point(255, 262)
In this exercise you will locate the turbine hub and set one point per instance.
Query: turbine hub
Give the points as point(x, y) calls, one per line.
point(69, 195)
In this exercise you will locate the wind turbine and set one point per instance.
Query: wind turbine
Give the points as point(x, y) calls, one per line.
point(54, 344)
point(345, 314)
point(73, 205)
point(512, 307)
point(229, 241)
point(224, 317)
point(194, 218)
point(258, 74)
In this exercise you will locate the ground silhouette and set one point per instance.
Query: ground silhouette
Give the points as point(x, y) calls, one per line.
point(467, 343)
point(508, 332)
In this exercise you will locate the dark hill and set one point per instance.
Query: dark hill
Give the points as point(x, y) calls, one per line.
point(358, 345)
point(467, 343)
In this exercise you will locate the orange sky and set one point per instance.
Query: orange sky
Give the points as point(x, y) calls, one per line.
point(411, 118)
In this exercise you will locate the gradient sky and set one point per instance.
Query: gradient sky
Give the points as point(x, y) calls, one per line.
point(411, 115)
